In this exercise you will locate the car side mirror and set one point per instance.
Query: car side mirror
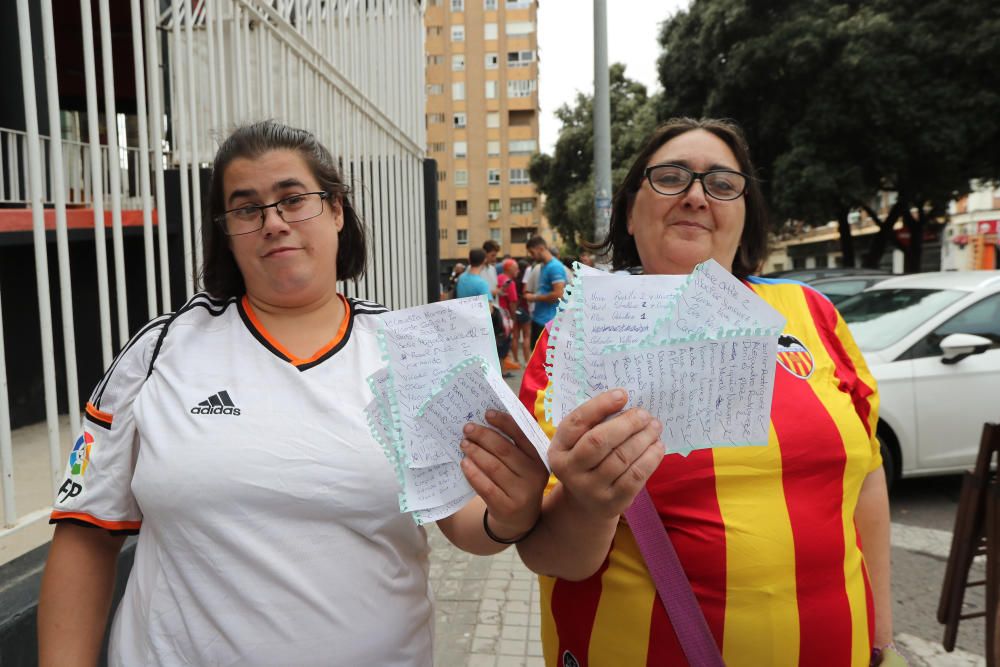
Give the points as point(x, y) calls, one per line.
point(958, 346)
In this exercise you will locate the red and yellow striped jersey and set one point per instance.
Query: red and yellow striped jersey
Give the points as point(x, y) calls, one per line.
point(765, 534)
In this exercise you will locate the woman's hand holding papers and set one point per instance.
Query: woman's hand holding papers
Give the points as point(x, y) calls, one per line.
point(602, 459)
point(604, 464)
point(506, 472)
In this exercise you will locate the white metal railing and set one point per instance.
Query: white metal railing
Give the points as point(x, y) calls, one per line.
point(351, 71)
point(74, 159)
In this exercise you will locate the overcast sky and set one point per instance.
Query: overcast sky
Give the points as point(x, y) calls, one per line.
point(566, 46)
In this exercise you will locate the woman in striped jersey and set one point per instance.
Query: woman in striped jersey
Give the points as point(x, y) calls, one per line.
point(786, 546)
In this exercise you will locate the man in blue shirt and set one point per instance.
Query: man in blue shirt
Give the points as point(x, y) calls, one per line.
point(472, 282)
point(551, 282)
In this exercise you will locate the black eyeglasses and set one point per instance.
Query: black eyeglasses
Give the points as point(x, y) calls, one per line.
point(675, 179)
point(250, 218)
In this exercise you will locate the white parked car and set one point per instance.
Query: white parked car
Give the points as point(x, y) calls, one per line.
point(932, 341)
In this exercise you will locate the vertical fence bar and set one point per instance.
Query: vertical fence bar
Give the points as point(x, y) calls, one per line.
point(34, 178)
point(6, 446)
point(193, 135)
point(59, 192)
point(210, 11)
point(97, 181)
point(224, 83)
point(114, 170)
point(156, 135)
point(144, 186)
point(180, 143)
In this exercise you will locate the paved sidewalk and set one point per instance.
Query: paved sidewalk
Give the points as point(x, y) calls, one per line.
point(487, 608)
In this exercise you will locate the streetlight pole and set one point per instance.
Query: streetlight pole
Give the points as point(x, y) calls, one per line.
point(602, 123)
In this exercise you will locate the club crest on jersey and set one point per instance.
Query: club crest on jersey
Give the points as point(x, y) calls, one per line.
point(795, 357)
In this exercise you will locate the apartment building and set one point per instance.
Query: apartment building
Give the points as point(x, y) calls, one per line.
point(482, 121)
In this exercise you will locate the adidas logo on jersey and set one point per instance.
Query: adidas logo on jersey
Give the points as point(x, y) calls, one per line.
point(216, 404)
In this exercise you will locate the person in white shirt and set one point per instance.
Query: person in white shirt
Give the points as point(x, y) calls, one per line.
point(230, 435)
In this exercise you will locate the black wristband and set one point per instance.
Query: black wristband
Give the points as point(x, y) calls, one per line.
point(500, 540)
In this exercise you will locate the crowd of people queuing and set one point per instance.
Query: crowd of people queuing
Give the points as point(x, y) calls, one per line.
point(269, 530)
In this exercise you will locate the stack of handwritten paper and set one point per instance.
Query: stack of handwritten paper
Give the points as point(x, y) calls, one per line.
point(697, 351)
point(442, 372)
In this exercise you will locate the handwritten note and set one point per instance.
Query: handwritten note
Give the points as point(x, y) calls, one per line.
point(711, 393)
point(713, 303)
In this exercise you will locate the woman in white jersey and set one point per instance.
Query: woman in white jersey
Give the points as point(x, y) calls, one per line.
point(232, 433)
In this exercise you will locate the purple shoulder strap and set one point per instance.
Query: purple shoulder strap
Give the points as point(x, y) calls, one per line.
point(672, 583)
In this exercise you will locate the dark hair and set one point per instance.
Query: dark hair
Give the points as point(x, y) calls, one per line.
point(220, 276)
point(536, 241)
point(491, 246)
point(476, 257)
point(752, 250)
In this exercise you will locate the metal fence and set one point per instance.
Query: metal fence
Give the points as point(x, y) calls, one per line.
point(351, 71)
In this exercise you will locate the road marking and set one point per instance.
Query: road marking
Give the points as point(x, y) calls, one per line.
point(922, 540)
point(932, 653)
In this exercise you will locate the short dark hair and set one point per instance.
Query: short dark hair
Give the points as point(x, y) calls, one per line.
point(752, 250)
point(491, 246)
point(476, 257)
point(220, 276)
point(536, 241)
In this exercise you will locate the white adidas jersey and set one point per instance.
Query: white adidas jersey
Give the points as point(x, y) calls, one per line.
point(270, 527)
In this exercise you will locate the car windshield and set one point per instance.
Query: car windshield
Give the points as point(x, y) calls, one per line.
point(878, 318)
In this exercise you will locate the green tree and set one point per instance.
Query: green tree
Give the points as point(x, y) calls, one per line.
point(841, 100)
point(566, 176)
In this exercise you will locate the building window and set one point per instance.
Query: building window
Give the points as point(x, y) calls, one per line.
point(489, 5)
point(519, 176)
point(494, 206)
point(458, 62)
point(436, 147)
point(521, 87)
point(515, 28)
point(492, 61)
point(461, 207)
point(434, 30)
point(493, 177)
point(518, 4)
point(442, 204)
point(490, 31)
point(461, 177)
point(458, 90)
point(521, 205)
point(434, 60)
point(442, 176)
point(459, 119)
point(521, 234)
point(491, 90)
point(493, 148)
point(520, 58)
point(462, 236)
point(522, 147)
point(443, 234)
point(496, 234)
point(457, 5)
point(433, 118)
point(520, 117)
point(434, 88)
point(493, 119)
point(458, 33)
point(461, 148)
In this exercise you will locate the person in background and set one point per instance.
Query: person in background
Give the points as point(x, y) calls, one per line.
point(472, 282)
point(786, 546)
point(231, 436)
point(507, 299)
point(457, 271)
point(520, 339)
point(551, 282)
point(492, 249)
